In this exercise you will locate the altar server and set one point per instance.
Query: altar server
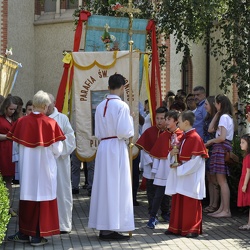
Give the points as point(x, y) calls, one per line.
point(111, 205)
point(64, 189)
point(39, 139)
point(186, 182)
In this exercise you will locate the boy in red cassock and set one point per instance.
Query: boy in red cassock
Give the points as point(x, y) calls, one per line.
point(38, 139)
point(186, 181)
point(146, 143)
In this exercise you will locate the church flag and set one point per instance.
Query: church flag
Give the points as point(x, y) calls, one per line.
point(155, 83)
point(8, 74)
point(91, 74)
point(118, 27)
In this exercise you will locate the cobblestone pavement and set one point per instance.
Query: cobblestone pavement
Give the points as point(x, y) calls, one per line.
point(217, 233)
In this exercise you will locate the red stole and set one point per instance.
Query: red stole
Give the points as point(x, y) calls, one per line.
point(192, 144)
point(162, 146)
point(148, 138)
point(36, 130)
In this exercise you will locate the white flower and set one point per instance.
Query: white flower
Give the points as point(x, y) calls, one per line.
point(113, 38)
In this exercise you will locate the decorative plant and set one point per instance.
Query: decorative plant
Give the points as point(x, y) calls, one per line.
point(106, 37)
point(4, 209)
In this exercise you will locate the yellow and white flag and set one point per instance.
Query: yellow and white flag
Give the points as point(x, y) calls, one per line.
point(91, 74)
point(8, 70)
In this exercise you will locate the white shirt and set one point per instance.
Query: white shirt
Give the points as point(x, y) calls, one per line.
point(226, 121)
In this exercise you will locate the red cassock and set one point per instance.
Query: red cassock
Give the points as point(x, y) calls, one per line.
point(148, 138)
point(186, 212)
point(162, 146)
point(32, 131)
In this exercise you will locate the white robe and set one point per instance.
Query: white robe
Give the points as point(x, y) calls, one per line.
point(38, 172)
point(160, 169)
point(64, 190)
point(146, 165)
point(111, 205)
point(188, 179)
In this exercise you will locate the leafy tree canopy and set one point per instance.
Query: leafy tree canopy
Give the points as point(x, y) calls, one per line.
point(223, 24)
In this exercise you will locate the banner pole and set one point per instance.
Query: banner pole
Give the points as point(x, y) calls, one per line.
point(130, 10)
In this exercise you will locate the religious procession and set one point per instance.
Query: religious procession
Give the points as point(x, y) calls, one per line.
point(124, 124)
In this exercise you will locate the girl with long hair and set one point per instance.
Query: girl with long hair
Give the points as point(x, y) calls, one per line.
point(223, 126)
point(212, 185)
point(7, 167)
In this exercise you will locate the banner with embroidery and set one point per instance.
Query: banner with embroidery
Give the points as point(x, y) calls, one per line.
point(8, 74)
point(119, 28)
point(91, 74)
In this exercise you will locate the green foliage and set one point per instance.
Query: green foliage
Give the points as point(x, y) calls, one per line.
point(223, 24)
point(4, 209)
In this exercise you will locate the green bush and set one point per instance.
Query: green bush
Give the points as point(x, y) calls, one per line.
point(4, 209)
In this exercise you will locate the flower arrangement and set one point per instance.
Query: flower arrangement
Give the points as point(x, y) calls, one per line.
point(116, 6)
point(106, 37)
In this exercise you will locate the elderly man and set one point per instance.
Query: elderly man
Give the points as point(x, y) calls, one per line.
point(199, 96)
point(64, 190)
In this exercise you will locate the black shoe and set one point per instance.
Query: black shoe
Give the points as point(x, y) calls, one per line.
point(65, 232)
point(75, 191)
point(85, 186)
point(169, 233)
point(113, 236)
point(19, 237)
point(38, 241)
point(136, 203)
point(191, 235)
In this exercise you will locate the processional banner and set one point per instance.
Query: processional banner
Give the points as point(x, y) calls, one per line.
point(8, 73)
point(91, 74)
point(118, 27)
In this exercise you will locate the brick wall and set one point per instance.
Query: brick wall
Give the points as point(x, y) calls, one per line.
point(4, 26)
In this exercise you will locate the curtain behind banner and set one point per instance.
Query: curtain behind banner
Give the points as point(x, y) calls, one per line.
point(119, 27)
point(8, 70)
point(91, 74)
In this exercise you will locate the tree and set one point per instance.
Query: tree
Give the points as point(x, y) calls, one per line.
point(201, 20)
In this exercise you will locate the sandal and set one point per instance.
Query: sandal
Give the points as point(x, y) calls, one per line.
point(244, 227)
point(209, 209)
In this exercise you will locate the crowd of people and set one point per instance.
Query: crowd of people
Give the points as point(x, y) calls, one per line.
point(204, 129)
point(181, 156)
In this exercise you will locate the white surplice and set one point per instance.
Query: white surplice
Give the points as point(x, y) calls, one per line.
point(146, 165)
point(64, 190)
point(161, 169)
point(38, 172)
point(188, 179)
point(111, 205)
